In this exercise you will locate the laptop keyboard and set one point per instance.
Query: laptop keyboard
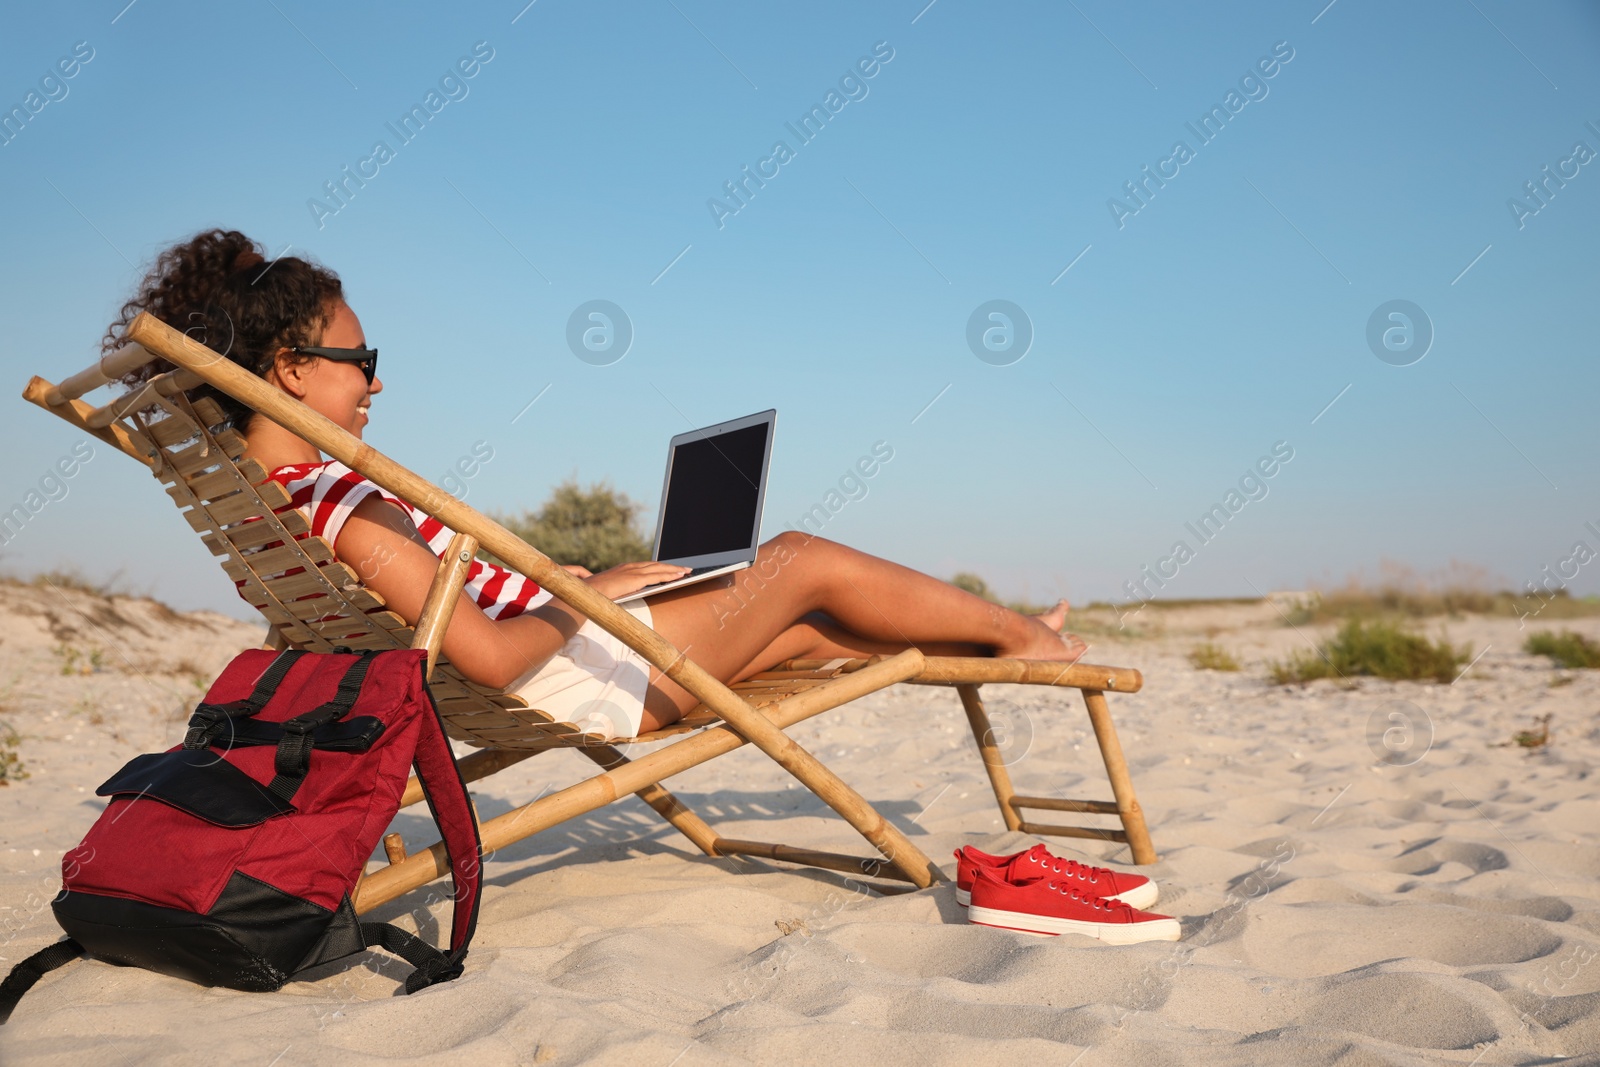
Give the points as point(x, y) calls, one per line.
point(693, 571)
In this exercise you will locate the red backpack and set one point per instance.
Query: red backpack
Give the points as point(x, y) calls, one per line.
point(230, 859)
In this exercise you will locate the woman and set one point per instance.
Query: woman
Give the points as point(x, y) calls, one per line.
point(287, 322)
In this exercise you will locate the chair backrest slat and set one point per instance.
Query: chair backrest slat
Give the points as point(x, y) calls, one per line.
point(255, 534)
point(310, 582)
point(198, 457)
point(211, 485)
point(278, 559)
point(169, 431)
point(242, 506)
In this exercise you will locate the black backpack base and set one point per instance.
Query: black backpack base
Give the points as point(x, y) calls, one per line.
point(255, 938)
point(214, 950)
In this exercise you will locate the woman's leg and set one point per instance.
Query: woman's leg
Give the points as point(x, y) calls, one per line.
point(741, 624)
point(818, 637)
point(814, 637)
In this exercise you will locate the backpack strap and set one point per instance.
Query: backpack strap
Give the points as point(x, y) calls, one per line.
point(210, 719)
point(447, 798)
point(432, 966)
point(293, 761)
point(25, 974)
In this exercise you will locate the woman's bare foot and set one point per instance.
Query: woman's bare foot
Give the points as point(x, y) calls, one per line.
point(1045, 641)
point(1056, 617)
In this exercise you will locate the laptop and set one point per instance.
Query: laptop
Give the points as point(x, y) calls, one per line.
point(710, 515)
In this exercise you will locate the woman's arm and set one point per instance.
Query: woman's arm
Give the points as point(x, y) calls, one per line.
point(381, 544)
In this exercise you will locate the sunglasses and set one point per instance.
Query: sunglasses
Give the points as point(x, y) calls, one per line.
point(365, 358)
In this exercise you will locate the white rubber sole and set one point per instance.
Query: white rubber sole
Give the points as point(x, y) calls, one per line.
point(1050, 926)
point(1140, 896)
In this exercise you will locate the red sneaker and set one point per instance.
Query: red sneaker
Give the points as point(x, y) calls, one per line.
point(1134, 890)
point(1052, 906)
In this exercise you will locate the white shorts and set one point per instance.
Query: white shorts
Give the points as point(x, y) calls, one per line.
point(595, 682)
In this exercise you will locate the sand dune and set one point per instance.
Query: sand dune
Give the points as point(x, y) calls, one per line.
point(1337, 908)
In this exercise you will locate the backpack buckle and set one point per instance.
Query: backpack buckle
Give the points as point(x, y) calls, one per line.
point(209, 719)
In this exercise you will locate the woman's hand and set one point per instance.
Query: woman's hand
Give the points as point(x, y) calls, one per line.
point(628, 578)
point(576, 570)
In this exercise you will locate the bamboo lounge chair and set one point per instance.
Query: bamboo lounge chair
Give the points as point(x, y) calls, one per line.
point(314, 602)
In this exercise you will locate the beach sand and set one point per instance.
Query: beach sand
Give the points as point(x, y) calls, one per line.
point(1430, 901)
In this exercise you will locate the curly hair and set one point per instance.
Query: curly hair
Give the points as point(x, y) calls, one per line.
point(217, 288)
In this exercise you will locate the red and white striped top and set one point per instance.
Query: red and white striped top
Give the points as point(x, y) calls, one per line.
point(326, 493)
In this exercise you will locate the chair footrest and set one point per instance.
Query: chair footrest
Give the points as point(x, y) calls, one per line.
point(1098, 807)
point(1039, 829)
point(875, 867)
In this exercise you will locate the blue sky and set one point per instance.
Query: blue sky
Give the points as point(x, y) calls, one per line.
point(977, 164)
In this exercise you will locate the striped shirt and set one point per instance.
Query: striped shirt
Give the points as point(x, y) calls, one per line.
point(327, 493)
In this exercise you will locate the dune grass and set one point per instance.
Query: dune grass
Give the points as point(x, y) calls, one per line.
point(11, 768)
point(1538, 737)
point(1457, 589)
point(1357, 602)
point(1212, 657)
point(74, 579)
point(1568, 649)
point(1376, 649)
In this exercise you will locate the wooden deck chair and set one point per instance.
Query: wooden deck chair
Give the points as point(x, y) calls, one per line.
point(314, 602)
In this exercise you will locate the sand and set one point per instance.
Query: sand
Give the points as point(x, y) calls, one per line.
point(1433, 901)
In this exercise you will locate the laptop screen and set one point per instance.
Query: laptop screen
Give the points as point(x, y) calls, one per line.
point(713, 496)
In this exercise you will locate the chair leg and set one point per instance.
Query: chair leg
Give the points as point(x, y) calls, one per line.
point(669, 807)
point(993, 763)
point(489, 761)
point(1121, 782)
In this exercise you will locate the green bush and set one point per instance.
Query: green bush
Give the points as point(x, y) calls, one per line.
point(973, 584)
point(1303, 666)
point(1568, 649)
point(1210, 657)
point(591, 527)
point(1376, 649)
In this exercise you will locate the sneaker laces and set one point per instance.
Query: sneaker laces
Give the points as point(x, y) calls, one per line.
point(1080, 871)
point(1070, 868)
point(1115, 907)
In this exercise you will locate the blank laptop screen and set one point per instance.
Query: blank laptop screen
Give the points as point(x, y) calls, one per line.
point(712, 494)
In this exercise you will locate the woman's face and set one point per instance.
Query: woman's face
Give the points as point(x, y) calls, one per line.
point(334, 388)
